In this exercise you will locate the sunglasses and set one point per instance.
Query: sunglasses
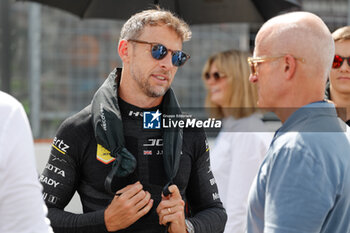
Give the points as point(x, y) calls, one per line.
point(338, 61)
point(159, 51)
point(216, 76)
point(255, 61)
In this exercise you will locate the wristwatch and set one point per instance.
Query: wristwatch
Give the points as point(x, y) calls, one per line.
point(189, 226)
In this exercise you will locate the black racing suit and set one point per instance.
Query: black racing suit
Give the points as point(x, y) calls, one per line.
point(77, 163)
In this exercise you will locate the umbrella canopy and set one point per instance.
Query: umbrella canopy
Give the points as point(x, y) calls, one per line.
point(193, 11)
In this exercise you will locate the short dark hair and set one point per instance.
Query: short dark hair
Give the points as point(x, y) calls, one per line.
point(154, 17)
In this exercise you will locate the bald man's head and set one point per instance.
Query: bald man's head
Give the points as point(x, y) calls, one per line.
point(302, 35)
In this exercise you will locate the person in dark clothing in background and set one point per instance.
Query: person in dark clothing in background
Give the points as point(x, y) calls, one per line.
point(83, 157)
point(338, 86)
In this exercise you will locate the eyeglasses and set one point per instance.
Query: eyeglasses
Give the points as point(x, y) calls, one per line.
point(254, 61)
point(216, 76)
point(159, 51)
point(338, 61)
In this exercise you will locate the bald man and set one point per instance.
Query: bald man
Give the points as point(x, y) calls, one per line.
point(303, 184)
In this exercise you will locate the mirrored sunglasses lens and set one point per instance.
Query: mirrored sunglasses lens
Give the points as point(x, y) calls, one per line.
point(216, 76)
point(179, 58)
point(337, 62)
point(159, 51)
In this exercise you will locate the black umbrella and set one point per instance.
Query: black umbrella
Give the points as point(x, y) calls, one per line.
point(192, 11)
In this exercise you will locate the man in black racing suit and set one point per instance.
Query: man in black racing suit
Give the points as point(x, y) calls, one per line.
point(149, 46)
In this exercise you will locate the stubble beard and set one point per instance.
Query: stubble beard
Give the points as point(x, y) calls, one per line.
point(147, 88)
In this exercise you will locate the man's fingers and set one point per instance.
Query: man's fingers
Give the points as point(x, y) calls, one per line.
point(170, 218)
point(174, 190)
point(164, 204)
point(175, 212)
point(123, 190)
point(138, 197)
point(145, 209)
point(172, 210)
point(144, 201)
point(130, 190)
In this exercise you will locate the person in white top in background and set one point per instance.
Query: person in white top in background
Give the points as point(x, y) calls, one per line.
point(22, 208)
point(243, 140)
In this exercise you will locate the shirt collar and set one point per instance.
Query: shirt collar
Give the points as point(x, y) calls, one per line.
point(296, 122)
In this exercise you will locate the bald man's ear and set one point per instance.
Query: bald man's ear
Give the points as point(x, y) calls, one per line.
point(289, 66)
point(123, 50)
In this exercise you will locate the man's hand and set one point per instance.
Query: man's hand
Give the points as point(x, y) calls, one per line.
point(128, 205)
point(171, 210)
